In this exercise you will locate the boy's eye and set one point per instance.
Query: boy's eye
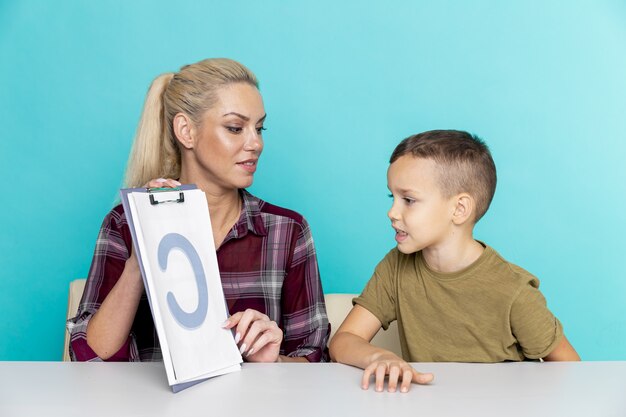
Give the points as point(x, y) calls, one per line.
point(234, 129)
point(407, 200)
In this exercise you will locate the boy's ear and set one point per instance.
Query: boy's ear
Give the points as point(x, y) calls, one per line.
point(184, 130)
point(464, 209)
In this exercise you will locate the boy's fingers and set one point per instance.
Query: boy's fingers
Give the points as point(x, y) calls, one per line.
point(394, 373)
point(367, 374)
point(398, 372)
point(381, 371)
point(420, 378)
point(407, 377)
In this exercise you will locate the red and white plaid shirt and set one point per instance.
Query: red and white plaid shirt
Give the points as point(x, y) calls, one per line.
point(267, 262)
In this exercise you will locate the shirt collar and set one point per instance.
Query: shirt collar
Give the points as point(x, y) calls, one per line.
point(250, 219)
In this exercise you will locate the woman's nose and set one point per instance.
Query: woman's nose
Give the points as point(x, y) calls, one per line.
point(254, 142)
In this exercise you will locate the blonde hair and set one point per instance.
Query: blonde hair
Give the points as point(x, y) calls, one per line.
point(192, 91)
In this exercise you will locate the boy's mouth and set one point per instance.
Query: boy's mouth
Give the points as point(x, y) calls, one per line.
point(401, 235)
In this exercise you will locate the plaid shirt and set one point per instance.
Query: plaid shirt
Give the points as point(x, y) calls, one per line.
point(267, 262)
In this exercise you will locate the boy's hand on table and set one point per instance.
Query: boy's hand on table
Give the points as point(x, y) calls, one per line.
point(397, 370)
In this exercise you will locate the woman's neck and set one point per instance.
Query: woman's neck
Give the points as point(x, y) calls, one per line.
point(224, 207)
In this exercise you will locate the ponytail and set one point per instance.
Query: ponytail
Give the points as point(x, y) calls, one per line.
point(192, 91)
point(153, 154)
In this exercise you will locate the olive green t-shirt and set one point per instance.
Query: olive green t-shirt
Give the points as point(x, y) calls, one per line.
point(491, 311)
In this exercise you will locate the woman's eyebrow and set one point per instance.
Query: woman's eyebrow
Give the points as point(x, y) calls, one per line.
point(241, 116)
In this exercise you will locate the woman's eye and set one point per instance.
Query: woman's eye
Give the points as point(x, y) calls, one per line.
point(234, 129)
point(260, 130)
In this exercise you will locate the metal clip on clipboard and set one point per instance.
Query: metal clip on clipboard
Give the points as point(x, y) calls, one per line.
point(154, 201)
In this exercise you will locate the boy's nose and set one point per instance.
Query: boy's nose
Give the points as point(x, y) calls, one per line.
point(392, 215)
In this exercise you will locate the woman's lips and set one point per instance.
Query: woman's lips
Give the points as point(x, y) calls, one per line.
point(249, 165)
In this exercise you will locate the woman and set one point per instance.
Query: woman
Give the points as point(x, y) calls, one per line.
point(203, 125)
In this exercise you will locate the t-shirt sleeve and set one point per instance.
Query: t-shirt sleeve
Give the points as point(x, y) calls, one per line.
point(306, 327)
point(378, 297)
point(536, 329)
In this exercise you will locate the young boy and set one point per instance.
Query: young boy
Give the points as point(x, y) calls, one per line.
point(455, 298)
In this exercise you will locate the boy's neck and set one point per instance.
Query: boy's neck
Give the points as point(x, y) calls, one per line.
point(453, 255)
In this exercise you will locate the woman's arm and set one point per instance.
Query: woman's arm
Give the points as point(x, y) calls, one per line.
point(110, 326)
point(109, 264)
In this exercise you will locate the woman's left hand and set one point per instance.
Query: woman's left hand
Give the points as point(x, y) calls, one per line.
point(257, 336)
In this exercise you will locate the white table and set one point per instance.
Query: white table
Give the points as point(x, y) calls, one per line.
point(596, 389)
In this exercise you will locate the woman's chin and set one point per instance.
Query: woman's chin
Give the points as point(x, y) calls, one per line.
point(244, 183)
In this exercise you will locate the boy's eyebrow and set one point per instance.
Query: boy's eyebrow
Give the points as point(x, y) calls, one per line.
point(408, 190)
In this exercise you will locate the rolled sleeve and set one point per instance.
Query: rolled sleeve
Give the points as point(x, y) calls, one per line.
point(537, 330)
point(305, 323)
point(378, 296)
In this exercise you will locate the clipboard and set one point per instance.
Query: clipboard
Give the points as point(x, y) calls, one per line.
point(173, 242)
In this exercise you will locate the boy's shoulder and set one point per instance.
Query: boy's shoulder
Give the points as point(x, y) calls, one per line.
point(507, 272)
point(394, 258)
point(491, 269)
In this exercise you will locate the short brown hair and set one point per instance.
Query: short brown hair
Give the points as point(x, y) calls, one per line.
point(464, 160)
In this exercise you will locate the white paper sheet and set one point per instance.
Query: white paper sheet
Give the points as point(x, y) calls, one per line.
point(178, 258)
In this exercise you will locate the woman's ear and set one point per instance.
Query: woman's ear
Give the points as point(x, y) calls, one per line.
point(183, 130)
point(464, 209)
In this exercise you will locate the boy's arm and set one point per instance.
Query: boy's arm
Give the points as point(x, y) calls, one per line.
point(563, 352)
point(351, 346)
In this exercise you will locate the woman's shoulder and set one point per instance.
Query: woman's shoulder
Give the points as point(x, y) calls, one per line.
point(274, 210)
point(115, 221)
point(266, 209)
point(117, 216)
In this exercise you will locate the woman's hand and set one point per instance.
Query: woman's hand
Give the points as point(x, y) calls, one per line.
point(398, 371)
point(162, 183)
point(257, 336)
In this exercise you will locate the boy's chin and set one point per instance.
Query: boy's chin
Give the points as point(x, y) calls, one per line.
point(406, 249)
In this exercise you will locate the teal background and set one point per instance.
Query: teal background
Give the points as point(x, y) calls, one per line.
point(543, 82)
